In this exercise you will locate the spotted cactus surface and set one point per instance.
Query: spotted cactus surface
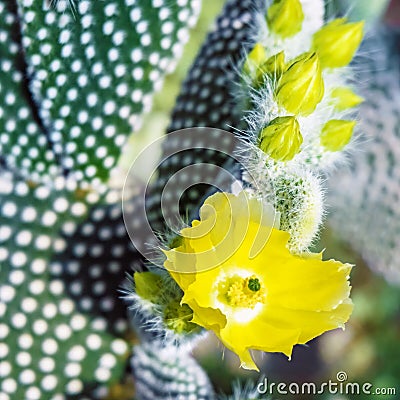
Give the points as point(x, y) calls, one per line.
point(24, 145)
point(76, 79)
point(91, 68)
point(206, 100)
point(169, 373)
point(48, 346)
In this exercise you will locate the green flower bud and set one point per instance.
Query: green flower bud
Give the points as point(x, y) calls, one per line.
point(337, 42)
point(274, 67)
point(336, 133)
point(254, 60)
point(148, 286)
point(301, 87)
point(285, 17)
point(177, 317)
point(281, 139)
point(344, 98)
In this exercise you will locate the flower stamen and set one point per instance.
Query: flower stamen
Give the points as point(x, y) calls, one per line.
point(237, 291)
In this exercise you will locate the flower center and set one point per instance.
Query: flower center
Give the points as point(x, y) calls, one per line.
point(237, 291)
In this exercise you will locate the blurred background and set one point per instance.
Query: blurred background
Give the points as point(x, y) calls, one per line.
point(369, 349)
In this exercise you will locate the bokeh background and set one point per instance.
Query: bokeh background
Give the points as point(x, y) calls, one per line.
point(369, 349)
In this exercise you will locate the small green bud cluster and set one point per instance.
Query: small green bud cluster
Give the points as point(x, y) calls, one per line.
point(161, 297)
point(298, 86)
point(299, 117)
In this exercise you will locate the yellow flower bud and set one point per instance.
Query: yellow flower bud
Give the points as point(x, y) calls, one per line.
point(254, 60)
point(285, 17)
point(336, 133)
point(274, 67)
point(301, 87)
point(337, 42)
point(344, 98)
point(281, 139)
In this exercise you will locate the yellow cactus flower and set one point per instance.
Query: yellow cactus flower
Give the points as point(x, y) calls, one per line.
point(344, 98)
point(254, 60)
point(301, 87)
point(255, 294)
point(337, 42)
point(336, 133)
point(281, 139)
point(285, 17)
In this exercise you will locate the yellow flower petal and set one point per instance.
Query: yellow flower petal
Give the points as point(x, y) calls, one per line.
point(309, 323)
point(258, 295)
point(259, 335)
point(323, 283)
point(208, 318)
point(206, 281)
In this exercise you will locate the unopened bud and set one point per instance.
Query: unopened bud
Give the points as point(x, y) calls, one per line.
point(274, 67)
point(254, 60)
point(281, 139)
point(337, 42)
point(285, 17)
point(344, 98)
point(336, 133)
point(177, 317)
point(148, 286)
point(301, 87)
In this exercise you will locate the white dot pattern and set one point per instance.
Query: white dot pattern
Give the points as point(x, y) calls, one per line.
point(206, 100)
point(65, 279)
point(105, 60)
point(23, 143)
point(168, 372)
point(92, 269)
point(45, 338)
